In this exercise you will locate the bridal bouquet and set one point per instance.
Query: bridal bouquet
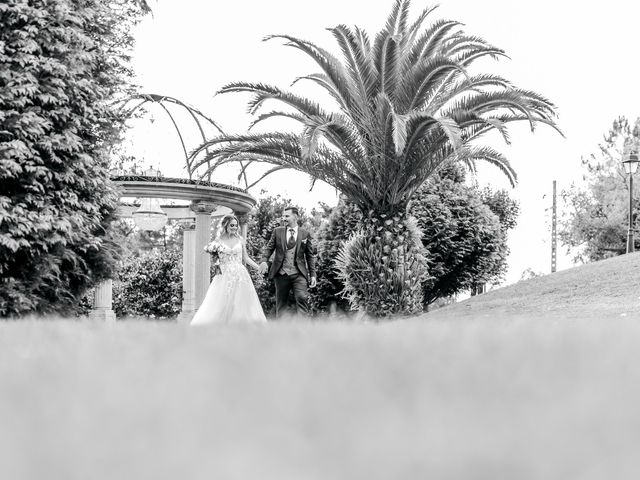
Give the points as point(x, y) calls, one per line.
point(214, 249)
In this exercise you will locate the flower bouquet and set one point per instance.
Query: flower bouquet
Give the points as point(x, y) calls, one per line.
point(214, 249)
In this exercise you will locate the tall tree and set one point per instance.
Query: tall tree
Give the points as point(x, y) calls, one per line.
point(62, 63)
point(464, 232)
point(404, 103)
point(596, 213)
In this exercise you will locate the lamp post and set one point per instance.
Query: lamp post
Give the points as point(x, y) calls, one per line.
point(630, 163)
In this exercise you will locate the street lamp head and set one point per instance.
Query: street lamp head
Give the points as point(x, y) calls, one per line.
point(631, 164)
point(631, 156)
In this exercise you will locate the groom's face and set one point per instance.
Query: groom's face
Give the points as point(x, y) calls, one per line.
point(289, 218)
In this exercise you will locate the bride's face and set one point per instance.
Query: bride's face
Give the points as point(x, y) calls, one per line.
point(232, 228)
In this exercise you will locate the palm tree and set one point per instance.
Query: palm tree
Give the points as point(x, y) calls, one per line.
point(405, 103)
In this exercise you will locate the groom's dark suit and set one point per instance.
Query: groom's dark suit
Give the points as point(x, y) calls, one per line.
point(292, 268)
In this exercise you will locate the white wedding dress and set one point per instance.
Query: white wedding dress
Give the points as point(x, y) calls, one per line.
point(231, 297)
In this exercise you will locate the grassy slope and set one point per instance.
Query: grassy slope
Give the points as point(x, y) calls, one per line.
point(441, 399)
point(610, 288)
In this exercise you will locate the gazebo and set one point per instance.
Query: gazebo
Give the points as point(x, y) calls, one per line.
point(206, 200)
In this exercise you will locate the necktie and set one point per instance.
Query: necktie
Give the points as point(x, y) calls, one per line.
point(291, 241)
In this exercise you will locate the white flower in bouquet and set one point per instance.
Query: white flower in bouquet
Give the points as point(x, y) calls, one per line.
point(213, 247)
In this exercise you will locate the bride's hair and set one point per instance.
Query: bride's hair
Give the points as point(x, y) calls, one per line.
point(223, 229)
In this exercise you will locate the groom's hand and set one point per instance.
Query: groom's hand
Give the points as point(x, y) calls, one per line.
point(263, 267)
point(312, 282)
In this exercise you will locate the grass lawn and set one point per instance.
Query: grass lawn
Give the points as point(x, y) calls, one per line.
point(518, 395)
point(606, 289)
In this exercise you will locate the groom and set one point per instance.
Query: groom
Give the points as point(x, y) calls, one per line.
point(293, 265)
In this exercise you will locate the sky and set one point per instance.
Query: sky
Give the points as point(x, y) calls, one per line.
point(583, 56)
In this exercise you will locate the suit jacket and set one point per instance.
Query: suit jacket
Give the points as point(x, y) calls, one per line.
point(304, 255)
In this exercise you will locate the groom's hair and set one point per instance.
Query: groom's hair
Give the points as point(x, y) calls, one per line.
point(292, 210)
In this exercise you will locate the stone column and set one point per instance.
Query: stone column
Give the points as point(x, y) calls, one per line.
point(102, 303)
point(202, 259)
point(188, 273)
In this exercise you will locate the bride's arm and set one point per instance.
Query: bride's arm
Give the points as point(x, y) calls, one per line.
point(246, 258)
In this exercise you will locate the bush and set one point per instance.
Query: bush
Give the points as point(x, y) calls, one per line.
point(149, 285)
point(60, 64)
point(464, 232)
point(340, 224)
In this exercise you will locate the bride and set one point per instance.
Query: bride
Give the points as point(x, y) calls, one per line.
point(231, 297)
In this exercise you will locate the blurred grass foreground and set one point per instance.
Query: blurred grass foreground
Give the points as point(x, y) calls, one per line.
point(486, 391)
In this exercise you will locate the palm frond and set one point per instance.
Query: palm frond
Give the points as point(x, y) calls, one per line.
point(425, 77)
point(406, 104)
point(500, 126)
point(262, 93)
point(492, 157)
point(430, 41)
point(461, 45)
point(323, 81)
point(401, 23)
point(388, 64)
point(413, 30)
point(421, 123)
point(329, 64)
point(276, 113)
point(364, 43)
point(360, 65)
point(399, 126)
point(391, 24)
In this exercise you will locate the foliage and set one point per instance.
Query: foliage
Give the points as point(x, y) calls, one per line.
point(464, 232)
point(60, 64)
point(135, 241)
point(529, 273)
point(502, 205)
point(149, 285)
point(383, 277)
point(342, 221)
point(404, 103)
point(596, 214)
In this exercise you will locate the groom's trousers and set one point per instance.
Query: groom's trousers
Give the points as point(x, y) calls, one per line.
point(284, 284)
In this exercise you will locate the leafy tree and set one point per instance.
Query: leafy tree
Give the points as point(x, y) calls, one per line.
point(61, 63)
point(404, 103)
point(596, 214)
point(464, 232)
point(501, 204)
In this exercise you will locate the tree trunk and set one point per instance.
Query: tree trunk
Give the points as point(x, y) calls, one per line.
point(382, 266)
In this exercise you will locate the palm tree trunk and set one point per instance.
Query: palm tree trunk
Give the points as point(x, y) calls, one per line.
point(382, 266)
